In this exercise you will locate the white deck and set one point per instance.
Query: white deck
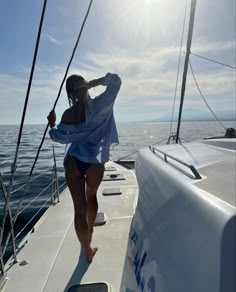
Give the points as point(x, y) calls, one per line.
point(215, 160)
point(54, 252)
point(180, 222)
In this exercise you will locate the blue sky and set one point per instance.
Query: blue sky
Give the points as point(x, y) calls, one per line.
point(137, 39)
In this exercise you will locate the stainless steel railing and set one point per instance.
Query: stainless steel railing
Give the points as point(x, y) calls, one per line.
point(50, 192)
point(194, 173)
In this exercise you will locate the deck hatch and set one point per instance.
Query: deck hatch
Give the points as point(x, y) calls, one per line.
point(111, 192)
point(113, 177)
point(93, 287)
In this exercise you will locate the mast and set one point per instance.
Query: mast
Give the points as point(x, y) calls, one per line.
point(188, 51)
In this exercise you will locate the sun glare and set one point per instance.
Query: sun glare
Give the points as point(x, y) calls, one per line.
point(150, 1)
point(142, 23)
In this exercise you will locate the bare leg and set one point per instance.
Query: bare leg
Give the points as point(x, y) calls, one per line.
point(94, 177)
point(76, 184)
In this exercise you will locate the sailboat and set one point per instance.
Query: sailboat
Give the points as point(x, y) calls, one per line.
point(169, 226)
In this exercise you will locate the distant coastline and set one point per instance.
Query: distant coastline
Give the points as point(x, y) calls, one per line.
point(194, 120)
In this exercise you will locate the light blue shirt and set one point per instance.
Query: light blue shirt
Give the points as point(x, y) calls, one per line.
point(90, 140)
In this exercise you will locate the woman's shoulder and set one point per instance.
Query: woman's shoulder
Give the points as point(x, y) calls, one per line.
point(68, 116)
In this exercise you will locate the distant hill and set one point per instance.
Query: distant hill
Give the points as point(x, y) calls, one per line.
point(198, 115)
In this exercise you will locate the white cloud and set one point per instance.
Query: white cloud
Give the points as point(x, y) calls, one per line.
point(201, 45)
point(148, 80)
point(153, 73)
point(51, 39)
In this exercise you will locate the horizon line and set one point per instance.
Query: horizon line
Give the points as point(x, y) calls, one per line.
point(137, 121)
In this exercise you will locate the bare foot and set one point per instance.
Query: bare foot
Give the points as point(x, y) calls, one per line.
point(90, 254)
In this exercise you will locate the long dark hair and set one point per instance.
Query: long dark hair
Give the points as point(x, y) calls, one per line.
point(76, 97)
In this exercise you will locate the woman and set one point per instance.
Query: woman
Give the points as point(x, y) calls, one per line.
point(88, 128)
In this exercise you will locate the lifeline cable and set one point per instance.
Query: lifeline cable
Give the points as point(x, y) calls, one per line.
point(136, 151)
point(40, 146)
point(13, 168)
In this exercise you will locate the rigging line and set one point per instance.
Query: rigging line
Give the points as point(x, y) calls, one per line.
point(136, 151)
point(177, 78)
point(29, 87)
point(13, 168)
point(186, 61)
point(40, 146)
point(63, 81)
point(204, 97)
point(226, 65)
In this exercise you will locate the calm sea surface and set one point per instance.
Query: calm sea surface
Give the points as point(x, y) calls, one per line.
point(133, 136)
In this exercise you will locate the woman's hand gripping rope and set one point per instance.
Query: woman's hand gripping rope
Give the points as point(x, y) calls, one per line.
point(52, 118)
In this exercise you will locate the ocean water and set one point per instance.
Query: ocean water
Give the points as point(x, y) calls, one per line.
point(132, 136)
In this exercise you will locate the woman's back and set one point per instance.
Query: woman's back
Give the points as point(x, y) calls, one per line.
point(90, 138)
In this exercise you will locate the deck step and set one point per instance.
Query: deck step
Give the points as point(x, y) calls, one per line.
point(100, 219)
point(111, 191)
point(93, 287)
point(110, 168)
